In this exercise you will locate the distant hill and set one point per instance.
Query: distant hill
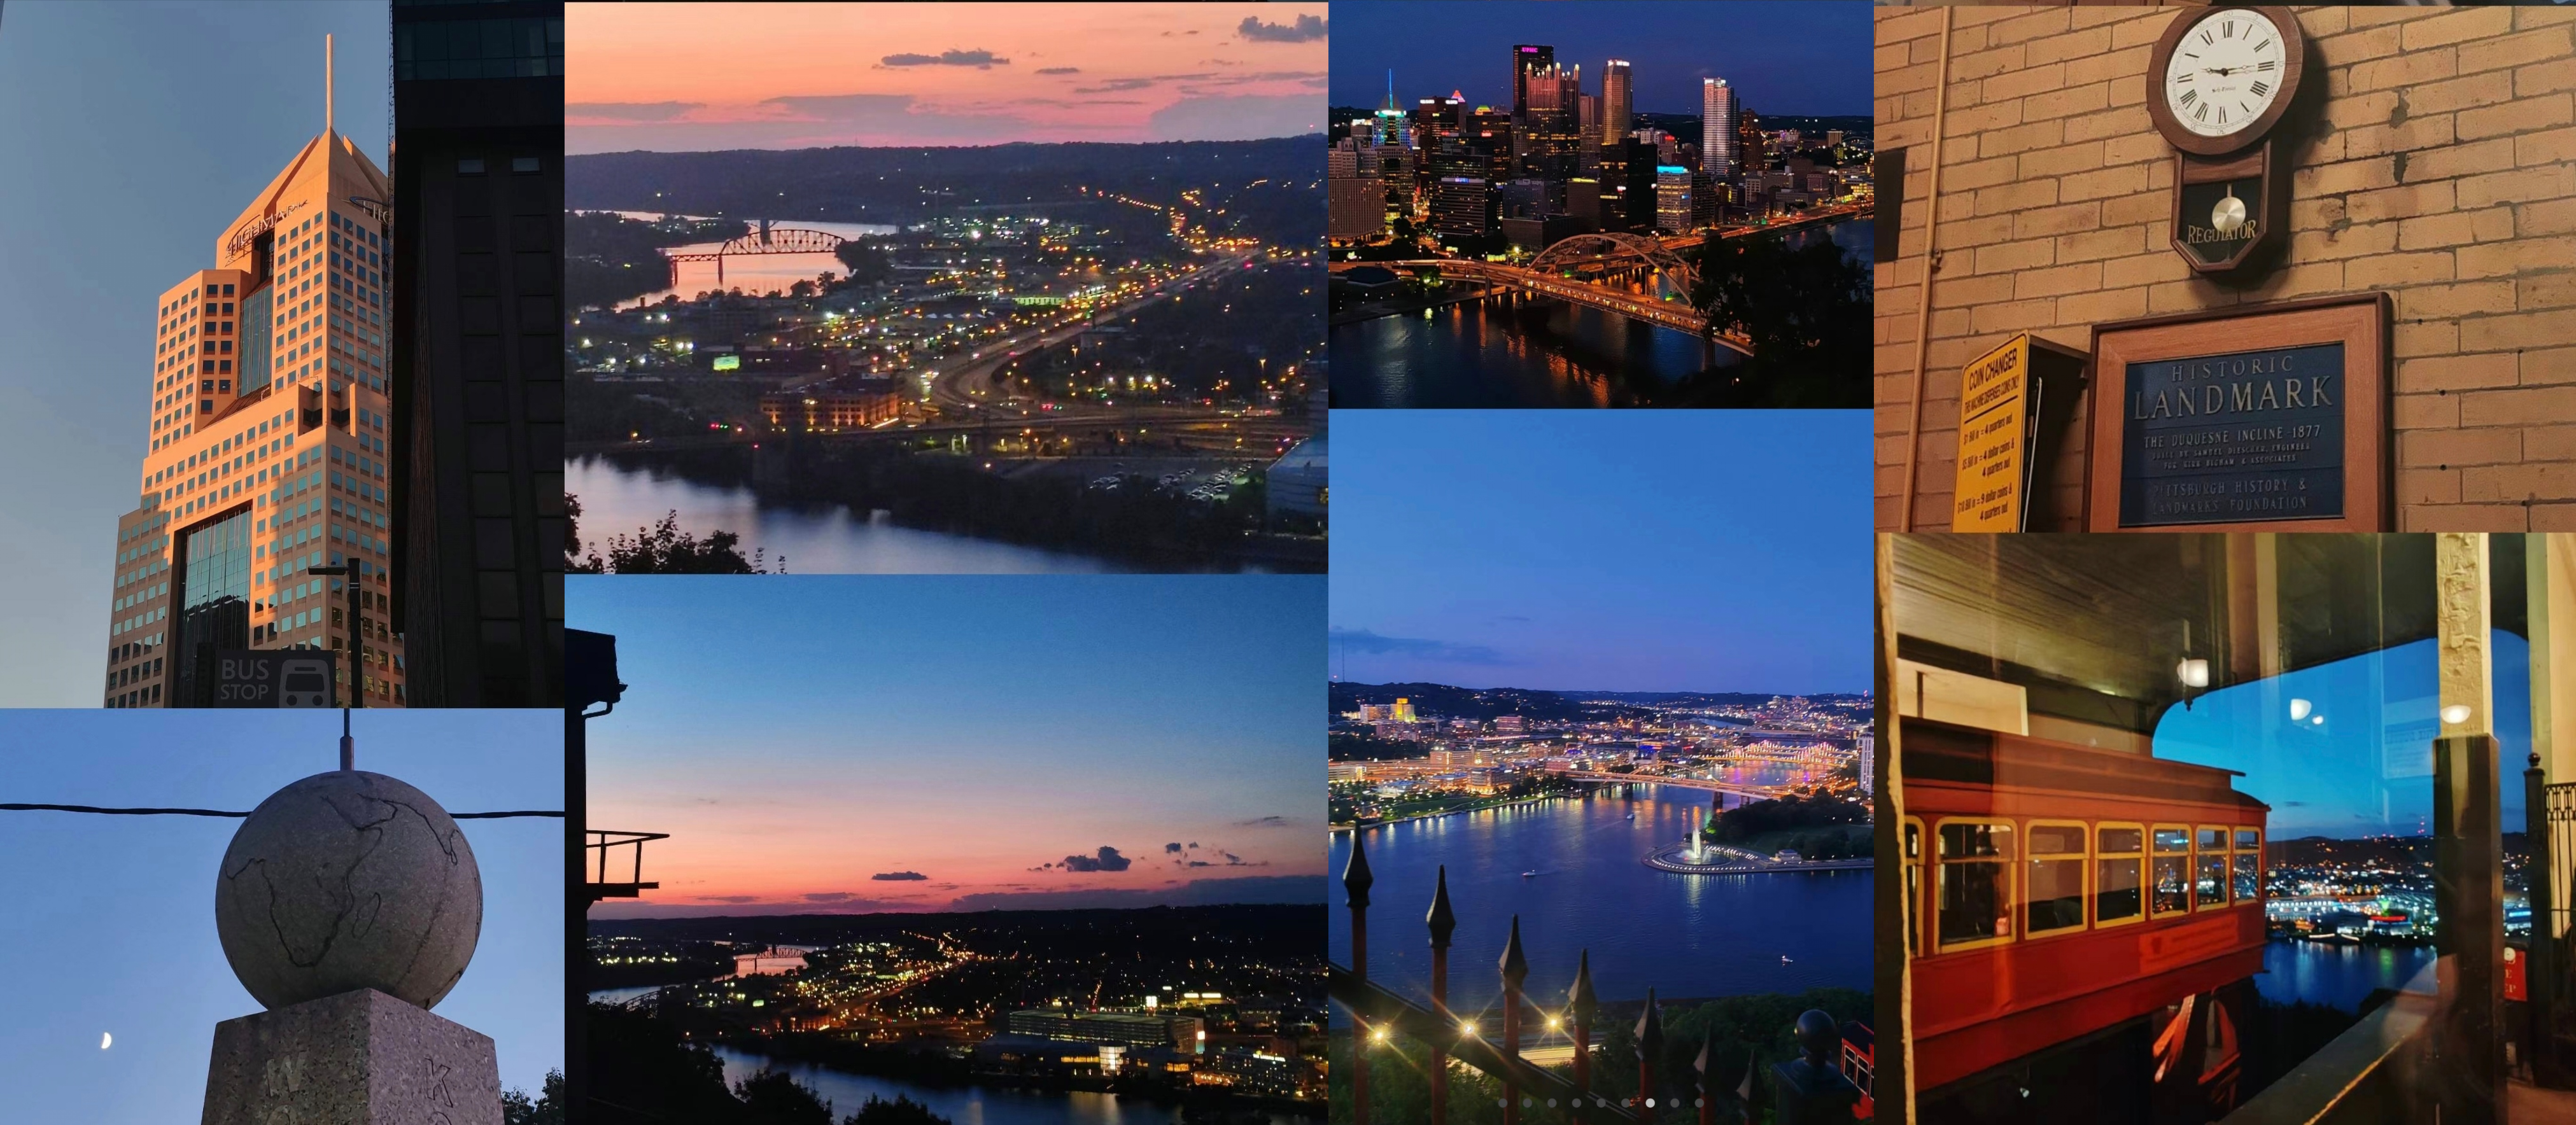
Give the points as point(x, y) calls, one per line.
point(1685, 126)
point(1470, 703)
point(824, 929)
point(1714, 699)
point(898, 185)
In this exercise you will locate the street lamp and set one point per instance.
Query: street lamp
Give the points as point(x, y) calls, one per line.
point(357, 646)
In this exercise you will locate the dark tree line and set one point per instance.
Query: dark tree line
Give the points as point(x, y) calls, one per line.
point(1807, 313)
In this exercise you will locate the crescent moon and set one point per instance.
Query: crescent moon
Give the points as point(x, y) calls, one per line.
point(105, 1038)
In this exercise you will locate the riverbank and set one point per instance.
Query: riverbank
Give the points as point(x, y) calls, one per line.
point(1372, 310)
point(1483, 806)
point(958, 521)
point(993, 1101)
point(1674, 858)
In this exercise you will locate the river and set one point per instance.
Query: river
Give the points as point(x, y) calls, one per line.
point(1683, 935)
point(966, 1105)
point(757, 273)
point(1516, 352)
point(818, 539)
point(2335, 974)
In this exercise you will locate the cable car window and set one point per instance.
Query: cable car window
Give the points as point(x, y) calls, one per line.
point(2173, 870)
point(2117, 893)
point(2056, 898)
point(2249, 864)
point(1976, 882)
point(2209, 886)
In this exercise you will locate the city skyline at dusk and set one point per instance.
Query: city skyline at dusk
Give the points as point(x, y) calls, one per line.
point(921, 744)
point(779, 76)
point(1787, 58)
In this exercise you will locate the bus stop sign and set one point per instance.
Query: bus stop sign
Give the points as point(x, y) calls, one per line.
point(283, 677)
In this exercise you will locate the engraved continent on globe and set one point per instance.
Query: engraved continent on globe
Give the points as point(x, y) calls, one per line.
point(348, 880)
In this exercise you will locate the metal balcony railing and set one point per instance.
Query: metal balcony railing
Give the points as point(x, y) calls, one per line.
point(1378, 1015)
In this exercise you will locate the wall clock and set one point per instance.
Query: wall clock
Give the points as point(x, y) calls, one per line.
point(2218, 83)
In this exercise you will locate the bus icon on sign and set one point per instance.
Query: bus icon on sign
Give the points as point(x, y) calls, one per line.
point(305, 683)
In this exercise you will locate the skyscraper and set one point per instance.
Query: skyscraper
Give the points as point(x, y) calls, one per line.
point(1673, 202)
point(268, 448)
point(1526, 58)
point(478, 366)
point(1551, 127)
point(1717, 146)
point(1617, 109)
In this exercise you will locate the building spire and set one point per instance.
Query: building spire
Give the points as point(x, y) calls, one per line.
point(326, 85)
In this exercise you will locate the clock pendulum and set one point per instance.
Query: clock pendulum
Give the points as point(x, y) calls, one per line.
point(2229, 214)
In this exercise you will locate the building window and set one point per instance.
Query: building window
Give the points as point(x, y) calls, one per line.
point(470, 166)
point(2116, 894)
point(2172, 870)
point(2056, 897)
point(523, 164)
point(1975, 883)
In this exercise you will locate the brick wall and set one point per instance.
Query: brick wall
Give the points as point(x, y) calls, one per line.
point(2442, 170)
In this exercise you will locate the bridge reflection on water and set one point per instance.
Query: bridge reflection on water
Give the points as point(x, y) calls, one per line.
point(1615, 342)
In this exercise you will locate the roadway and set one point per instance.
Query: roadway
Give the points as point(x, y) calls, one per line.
point(953, 387)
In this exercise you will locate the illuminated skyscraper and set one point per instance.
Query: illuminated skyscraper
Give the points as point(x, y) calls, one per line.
point(1617, 109)
point(268, 446)
point(1551, 128)
point(1717, 143)
point(1526, 58)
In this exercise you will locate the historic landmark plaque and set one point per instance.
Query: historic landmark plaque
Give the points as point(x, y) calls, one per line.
point(2243, 436)
point(2272, 417)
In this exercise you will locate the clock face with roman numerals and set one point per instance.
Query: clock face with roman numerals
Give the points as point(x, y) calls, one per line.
point(2225, 72)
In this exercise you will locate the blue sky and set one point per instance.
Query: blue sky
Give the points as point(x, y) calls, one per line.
point(2357, 759)
point(1685, 550)
point(132, 134)
point(876, 743)
point(108, 921)
point(1797, 57)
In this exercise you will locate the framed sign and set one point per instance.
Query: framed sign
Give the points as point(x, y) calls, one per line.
point(2008, 399)
point(2258, 418)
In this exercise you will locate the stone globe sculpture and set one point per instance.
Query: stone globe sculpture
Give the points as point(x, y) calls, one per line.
point(348, 880)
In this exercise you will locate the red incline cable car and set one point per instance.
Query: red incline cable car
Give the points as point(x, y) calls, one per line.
point(2058, 892)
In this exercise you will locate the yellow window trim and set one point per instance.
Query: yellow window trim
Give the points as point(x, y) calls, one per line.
point(2226, 867)
point(2146, 874)
point(2011, 884)
point(2083, 857)
point(2147, 881)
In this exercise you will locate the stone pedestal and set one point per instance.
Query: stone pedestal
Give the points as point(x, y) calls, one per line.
point(357, 1058)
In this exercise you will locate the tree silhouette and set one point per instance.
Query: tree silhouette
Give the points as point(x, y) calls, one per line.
point(1806, 312)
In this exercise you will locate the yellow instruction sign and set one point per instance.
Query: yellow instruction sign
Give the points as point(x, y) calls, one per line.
point(1994, 439)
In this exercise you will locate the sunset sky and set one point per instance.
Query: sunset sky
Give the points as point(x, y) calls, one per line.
point(855, 744)
point(705, 77)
